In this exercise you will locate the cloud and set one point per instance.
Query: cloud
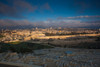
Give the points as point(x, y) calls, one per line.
point(24, 5)
point(68, 23)
point(7, 22)
point(77, 17)
point(8, 11)
point(16, 9)
point(19, 8)
point(80, 17)
point(15, 24)
point(50, 23)
point(78, 21)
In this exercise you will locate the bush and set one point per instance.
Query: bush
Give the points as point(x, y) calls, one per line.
point(98, 38)
point(22, 47)
point(1, 36)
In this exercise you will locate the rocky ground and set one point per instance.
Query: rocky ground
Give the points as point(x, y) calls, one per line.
point(56, 57)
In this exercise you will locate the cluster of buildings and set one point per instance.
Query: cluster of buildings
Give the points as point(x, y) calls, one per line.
point(39, 33)
point(21, 35)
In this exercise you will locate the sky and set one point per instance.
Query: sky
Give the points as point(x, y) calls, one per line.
point(50, 13)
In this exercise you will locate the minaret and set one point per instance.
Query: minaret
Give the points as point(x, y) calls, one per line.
point(36, 28)
point(50, 27)
point(59, 28)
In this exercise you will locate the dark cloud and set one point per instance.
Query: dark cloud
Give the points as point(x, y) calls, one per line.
point(15, 24)
point(16, 9)
point(7, 22)
point(19, 8)
point(6, 10)
point(24, 6)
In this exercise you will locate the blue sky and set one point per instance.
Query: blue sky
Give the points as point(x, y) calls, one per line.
point(52, 11)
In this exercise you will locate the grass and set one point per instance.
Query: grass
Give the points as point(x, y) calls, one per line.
point(21, 47)
point(15, 42)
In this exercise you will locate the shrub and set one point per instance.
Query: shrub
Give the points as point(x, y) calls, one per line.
point(22, 47)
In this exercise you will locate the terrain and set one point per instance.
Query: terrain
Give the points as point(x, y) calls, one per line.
point(80, 51)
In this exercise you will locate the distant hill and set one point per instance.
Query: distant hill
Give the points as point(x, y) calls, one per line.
point(10, 24)
point(24, 24)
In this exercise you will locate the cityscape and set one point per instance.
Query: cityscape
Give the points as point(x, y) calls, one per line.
point(49, 33)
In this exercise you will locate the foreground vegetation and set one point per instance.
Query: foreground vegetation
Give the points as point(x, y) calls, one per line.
point(1, 36)
point(85, 45)
point(78, 42)
point(21, 47)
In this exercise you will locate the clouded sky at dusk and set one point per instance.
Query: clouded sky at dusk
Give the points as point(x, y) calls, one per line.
point(64, 13)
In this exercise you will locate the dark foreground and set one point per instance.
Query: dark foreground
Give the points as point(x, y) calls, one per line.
point(5, 65)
